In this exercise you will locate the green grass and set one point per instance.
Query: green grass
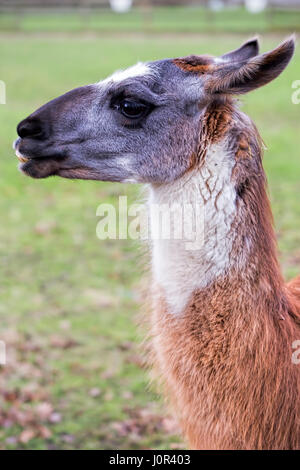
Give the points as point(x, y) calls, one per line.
point(160, 19)
point(68, 301)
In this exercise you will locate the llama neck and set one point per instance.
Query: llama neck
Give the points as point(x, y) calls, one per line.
point(230, 243)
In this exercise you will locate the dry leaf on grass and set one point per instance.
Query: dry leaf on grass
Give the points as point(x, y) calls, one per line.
point(27, 435)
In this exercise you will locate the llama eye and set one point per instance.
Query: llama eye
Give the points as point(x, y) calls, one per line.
point(132, 109)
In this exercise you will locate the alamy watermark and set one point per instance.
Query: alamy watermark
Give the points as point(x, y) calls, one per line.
point(296, 353)
point(2, 92)
point(2, 353)
point(152, 222)
point(296, 93)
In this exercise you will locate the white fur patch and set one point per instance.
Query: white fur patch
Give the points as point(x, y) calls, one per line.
point(219, 60)
point(136, 70)
point(177, 269)
point(125, 162)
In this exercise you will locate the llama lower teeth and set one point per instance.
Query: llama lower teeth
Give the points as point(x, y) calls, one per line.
point(21, 158)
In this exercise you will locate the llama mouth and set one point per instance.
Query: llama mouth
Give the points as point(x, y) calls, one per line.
point(36, 166)
point(39, 167)
point(22, 158)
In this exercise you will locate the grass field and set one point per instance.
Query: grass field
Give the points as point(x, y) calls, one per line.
point(68, 301)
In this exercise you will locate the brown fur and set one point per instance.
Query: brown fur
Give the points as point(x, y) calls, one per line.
point(244, 150)
point(226, 362)
point(215, 123)
point(195, 64)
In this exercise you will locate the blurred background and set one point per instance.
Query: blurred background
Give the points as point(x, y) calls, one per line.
point(74, 376)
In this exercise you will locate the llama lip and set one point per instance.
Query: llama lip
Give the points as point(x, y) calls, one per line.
point(21, 157)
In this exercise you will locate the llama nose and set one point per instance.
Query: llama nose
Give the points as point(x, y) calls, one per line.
point(30, 128)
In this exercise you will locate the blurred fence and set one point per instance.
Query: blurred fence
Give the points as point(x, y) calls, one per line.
point(11, 5)
point(148, 15)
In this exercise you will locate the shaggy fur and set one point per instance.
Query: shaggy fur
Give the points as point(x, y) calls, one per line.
point(226, 361)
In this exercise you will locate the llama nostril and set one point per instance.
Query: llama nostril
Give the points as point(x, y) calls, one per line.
point(29, 128)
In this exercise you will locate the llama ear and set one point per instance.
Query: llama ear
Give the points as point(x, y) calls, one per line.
point(246, 51)
point(247, 75)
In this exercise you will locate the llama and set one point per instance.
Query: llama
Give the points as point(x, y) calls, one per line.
point(222, 320)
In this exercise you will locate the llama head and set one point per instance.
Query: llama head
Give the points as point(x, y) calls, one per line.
point(142, 124)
